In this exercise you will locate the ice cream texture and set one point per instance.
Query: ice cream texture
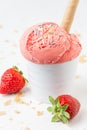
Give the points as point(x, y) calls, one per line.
point(48, 43)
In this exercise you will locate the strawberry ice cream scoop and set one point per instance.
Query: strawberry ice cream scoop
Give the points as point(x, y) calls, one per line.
point(48, 43)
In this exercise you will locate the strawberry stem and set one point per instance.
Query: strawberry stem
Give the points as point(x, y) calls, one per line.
point(17, 69)
point(58, 111)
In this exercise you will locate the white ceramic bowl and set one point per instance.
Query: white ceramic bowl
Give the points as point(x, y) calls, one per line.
point(51, 79)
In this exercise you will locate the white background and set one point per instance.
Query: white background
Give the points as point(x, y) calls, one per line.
point(30, 12)
point(15, 17)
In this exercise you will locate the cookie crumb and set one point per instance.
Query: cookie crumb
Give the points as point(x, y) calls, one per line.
point(1, 26)
point(10, 118)
point(78, 35)
point(18, 97)
point(15, 31)
point(23, 102)
point(39, 113)
point(27, 128)
point(6, 41)
point(2, 113)
point(13, 52)
point(17, 112)
point(83, 59)
point(77, 76)
point(8, 102)
point(34, 108)
point(40, 103)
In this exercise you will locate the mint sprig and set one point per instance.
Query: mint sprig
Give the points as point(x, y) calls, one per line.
point(58, 111)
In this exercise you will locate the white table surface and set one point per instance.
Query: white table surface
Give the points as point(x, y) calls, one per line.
point(15, 17)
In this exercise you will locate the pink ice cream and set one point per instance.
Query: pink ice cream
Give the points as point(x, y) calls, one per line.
point(48, 43)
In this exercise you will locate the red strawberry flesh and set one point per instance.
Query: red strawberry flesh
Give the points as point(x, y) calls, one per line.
point(64, 108)
point(73, 104)
point(11, 81)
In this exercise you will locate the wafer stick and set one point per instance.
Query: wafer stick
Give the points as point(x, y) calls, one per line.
point(69, 14)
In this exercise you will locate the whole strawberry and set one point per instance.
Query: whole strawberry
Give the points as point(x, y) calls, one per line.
point(12, 81)
point(64, 108)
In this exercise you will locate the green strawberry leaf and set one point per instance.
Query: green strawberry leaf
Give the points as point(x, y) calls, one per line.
point(55, 118)
point(58, 111)
point(17, 69)
point(57, 103)
point(66, 114)
point(21, 72)
point(64, 107)
point(50, 109)
point(51, 99)
point(64, 119)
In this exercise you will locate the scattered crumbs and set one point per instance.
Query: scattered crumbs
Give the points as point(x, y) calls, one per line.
point(1, 26)
point(17, 112)
point(14, 45)
point(27, 128)
point(78, 35)
point(23, 102)
point(13, 53)
point(15, 31)
point(39, 113)
point(77, 76)
point(22, 122)
point(1, 58)
point(2, 113)
point(34, 108)
point(6, 41)
point(18, 97)
point(83, 59)
point(84, 129)
point(10, 118)
point(40, 103)
point(8, 102)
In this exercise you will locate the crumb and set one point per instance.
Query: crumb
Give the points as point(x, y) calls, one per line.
point(18, 97)
point(8, 102)
point(84, 129)
point(40, 103)
point(23, 102)
point(39, 113)
point(1, 58)
point(1, 26)
point(22, 122)
point(83, 59)
point(27, 128)
point(15, 31)
point(2, 113)
point(6, 41)
point(13, 53)
point(14, 45)
point(17, 112)
point(77, 76)
point(78, 35)
point(34, 108)
point(10, 119)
